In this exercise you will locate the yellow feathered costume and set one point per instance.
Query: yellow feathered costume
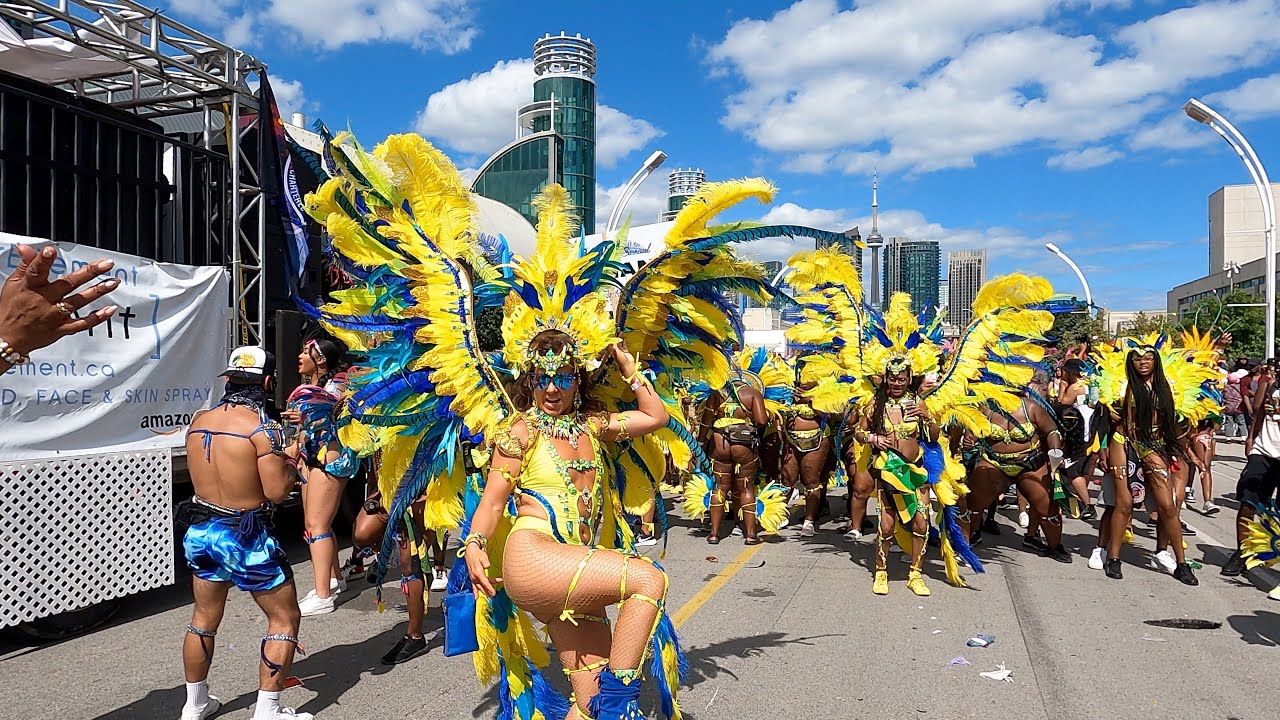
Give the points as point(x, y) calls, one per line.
point(994, 357)
point(401, 220)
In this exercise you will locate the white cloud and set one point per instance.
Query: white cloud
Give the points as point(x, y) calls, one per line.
point(618, 135)
point(478, 115)
point(931, 84)
point(646, 205)
point(290, 97)
point(1084, 159)
point(1256, 98)
point(442, 25)
point(792, 214)
point(1005, 243)
point(1175, 132)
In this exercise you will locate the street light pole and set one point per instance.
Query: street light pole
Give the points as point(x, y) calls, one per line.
point(1202, 113)
point(1231, 268)
point(629, 190)
point(1088, 295)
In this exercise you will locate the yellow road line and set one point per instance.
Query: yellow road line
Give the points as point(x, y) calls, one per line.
point(700, 598)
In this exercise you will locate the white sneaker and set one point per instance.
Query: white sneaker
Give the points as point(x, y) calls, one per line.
point(854, 535)
point(336, 586)
point(785, 522)
point(1164, 559)
point(735, 532)
point(806, 530)
point(313, 605)
point(1023, 520)
point(211, 707)
point(1210, 508)
point(1095, 560)
point(1274, 595)
point(649, 541)
point(288, 713)
point(310, 594)
point(439, 579)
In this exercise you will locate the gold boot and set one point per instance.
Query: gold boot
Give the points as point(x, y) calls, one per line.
point(880, 585)
point(915, 583)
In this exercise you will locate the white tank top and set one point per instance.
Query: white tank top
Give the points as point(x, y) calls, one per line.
point(1268, 441)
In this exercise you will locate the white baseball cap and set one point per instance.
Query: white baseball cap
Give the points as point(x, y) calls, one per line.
point(250, 363)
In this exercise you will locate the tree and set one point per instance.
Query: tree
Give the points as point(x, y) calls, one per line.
point(1072, 328)
point(1246, 324)
point(1144, 324)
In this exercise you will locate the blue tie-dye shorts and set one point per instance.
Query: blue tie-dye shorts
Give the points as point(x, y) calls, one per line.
point(227, 549)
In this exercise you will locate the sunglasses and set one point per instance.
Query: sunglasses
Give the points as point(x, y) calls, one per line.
point(563, 381)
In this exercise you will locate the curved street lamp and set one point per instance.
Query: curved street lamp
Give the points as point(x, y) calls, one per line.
point(1202, 113)
point(629, 190)
point(1088, 294)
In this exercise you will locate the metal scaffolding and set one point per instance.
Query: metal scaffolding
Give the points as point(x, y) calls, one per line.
point(168, 69)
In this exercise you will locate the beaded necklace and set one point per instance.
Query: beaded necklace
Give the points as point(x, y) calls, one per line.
point(563, 427)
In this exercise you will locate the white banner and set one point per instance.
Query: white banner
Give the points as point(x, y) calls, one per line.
point(133, 382)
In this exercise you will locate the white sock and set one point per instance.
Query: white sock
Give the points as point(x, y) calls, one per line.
point(198, 694)
point(268, 705)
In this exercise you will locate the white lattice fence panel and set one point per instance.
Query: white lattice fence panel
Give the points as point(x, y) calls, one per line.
point(75, 531)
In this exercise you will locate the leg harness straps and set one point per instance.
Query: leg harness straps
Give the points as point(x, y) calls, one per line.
point(278, 637)
point(202, 634)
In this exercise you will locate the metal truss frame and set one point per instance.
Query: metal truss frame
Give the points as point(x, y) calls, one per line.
point(171, 69)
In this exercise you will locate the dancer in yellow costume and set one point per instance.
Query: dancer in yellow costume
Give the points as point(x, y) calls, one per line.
point(1155, 392)
point(580, 439)
point(879, 362)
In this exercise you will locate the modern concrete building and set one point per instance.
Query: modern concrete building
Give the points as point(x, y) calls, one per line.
point(1236, 249)
point(1235, 225)
point(556, 133)
point(913, 267)
point(1119, 322)
point(1250, 277)
point(966, 272)
point(681, 185)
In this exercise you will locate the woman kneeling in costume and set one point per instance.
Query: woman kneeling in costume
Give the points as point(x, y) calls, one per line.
point(895, 428)
point(1023, 447)
point(551, 461)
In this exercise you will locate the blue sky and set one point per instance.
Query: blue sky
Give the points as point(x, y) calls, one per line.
point(998, 124)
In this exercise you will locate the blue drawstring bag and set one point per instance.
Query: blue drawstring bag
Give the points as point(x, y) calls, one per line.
point(459, 606)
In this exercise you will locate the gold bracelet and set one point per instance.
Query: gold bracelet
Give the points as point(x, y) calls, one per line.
point(622, 426)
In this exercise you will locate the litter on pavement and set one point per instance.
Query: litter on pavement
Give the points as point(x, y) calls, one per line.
point(1000, 673)
point(958, 660)
point(981, 640)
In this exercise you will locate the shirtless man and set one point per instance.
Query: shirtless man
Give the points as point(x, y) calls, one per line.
point(239, 468)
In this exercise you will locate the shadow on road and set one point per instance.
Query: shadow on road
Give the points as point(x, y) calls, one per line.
point(330, 672)
point(704, 664)
point(1260, 628)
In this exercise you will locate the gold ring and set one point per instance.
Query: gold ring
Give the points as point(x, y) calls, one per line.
point(65, 309)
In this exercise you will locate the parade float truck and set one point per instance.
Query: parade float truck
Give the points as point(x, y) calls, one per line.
point(128, 136)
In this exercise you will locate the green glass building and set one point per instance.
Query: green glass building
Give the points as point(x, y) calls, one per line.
point(557, 133)
point(913, 267)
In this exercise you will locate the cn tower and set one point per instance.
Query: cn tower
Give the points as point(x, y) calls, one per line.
point(875, 241)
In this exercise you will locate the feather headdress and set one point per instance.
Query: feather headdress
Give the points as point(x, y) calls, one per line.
point(557, 288)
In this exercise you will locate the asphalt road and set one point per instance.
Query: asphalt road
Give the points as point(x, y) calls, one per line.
point(788, 629)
